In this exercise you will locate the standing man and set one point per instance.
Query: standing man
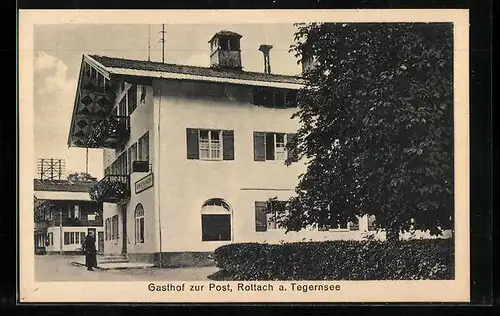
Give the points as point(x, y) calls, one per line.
point(90, 251)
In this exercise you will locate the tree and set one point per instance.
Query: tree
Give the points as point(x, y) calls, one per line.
point(376, 126)
point(81, 177)
point(43, 208)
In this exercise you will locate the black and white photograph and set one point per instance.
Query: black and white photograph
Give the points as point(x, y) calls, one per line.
point(220, 157)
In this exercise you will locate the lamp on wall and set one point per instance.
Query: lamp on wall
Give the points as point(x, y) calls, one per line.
point(140, 166)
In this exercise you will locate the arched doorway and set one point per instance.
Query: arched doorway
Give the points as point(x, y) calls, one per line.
point(216, 220)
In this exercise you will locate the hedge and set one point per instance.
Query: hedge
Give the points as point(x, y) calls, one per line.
point(431, 259)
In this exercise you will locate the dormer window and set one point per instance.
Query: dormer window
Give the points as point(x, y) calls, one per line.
point(275, 98)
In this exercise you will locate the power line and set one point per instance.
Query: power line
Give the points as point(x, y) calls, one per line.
point(149, 42)
point(162, 43)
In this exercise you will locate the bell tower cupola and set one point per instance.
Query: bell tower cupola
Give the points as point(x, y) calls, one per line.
point(225, 52)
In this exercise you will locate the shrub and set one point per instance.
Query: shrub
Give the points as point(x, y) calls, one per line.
point(431, 259)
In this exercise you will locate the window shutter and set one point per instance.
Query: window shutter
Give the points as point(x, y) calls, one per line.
point(260, 217)
point(192, 144)
point(259, 146)
point(66, 238)
point(292, 153)
point(228, 145)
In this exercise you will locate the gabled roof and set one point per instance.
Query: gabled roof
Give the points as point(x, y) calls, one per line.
point(62, 185)
point(113, 63)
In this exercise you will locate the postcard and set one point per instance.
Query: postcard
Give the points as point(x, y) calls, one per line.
point(233, 156)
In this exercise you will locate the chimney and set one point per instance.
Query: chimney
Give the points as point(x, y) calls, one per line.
point(267, 63)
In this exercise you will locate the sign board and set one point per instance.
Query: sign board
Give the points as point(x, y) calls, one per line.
point(144, 183)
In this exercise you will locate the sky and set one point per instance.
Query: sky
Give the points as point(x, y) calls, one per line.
point(58, 51)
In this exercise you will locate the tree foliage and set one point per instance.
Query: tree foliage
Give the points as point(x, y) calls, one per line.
point(81, 177)
point(376, 125)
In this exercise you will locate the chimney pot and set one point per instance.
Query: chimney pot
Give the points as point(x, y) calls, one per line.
point(265, 51)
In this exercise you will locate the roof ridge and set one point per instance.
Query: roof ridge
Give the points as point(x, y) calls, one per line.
point(235, 71)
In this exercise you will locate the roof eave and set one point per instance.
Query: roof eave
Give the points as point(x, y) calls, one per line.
point(181, 76)
point(91, 61)
point(75, 103)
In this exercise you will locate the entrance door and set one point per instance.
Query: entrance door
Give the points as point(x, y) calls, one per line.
point(100, 243)
point(124, 223)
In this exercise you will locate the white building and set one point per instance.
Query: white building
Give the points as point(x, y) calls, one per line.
point(191, 153)
point(70, 214)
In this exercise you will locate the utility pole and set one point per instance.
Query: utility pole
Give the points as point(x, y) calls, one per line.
point(87, 161)
point(149, 42)
point(60, 230)
point(163, 43)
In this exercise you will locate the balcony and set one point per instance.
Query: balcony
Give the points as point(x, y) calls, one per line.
point(110, 132)
point(41, 225)
point(111, 189)
point(75, 222)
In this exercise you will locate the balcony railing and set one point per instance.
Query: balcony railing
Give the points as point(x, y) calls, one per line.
point(111, 132)
point(112, 189)
point(76, 222)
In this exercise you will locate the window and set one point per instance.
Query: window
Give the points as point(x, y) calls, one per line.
point(216, 220)
point(336, 221)
point(354, 224)
point(122, 107)
point(275, 98)
point(107, 228)
point(271, 146)
point(266, 217)
point(133, 155)
point(120, 166)
point(132, 99)
point(206, 144)
point(73, 238)
point(143, 150)
point(210, 144)
point(74, 211)
point(224, 43)
point(129, 160)
point(371, 223)
point(114, 227)
point(50, 239)
point(234, 44)
point(139, 224)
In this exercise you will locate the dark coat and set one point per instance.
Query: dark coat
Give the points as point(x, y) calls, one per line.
point(90, 252)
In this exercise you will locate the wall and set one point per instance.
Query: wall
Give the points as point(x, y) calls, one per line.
point(113, 246)
point(146, 198)
point(72, 247)
point(141, 121)
point(186, 184)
